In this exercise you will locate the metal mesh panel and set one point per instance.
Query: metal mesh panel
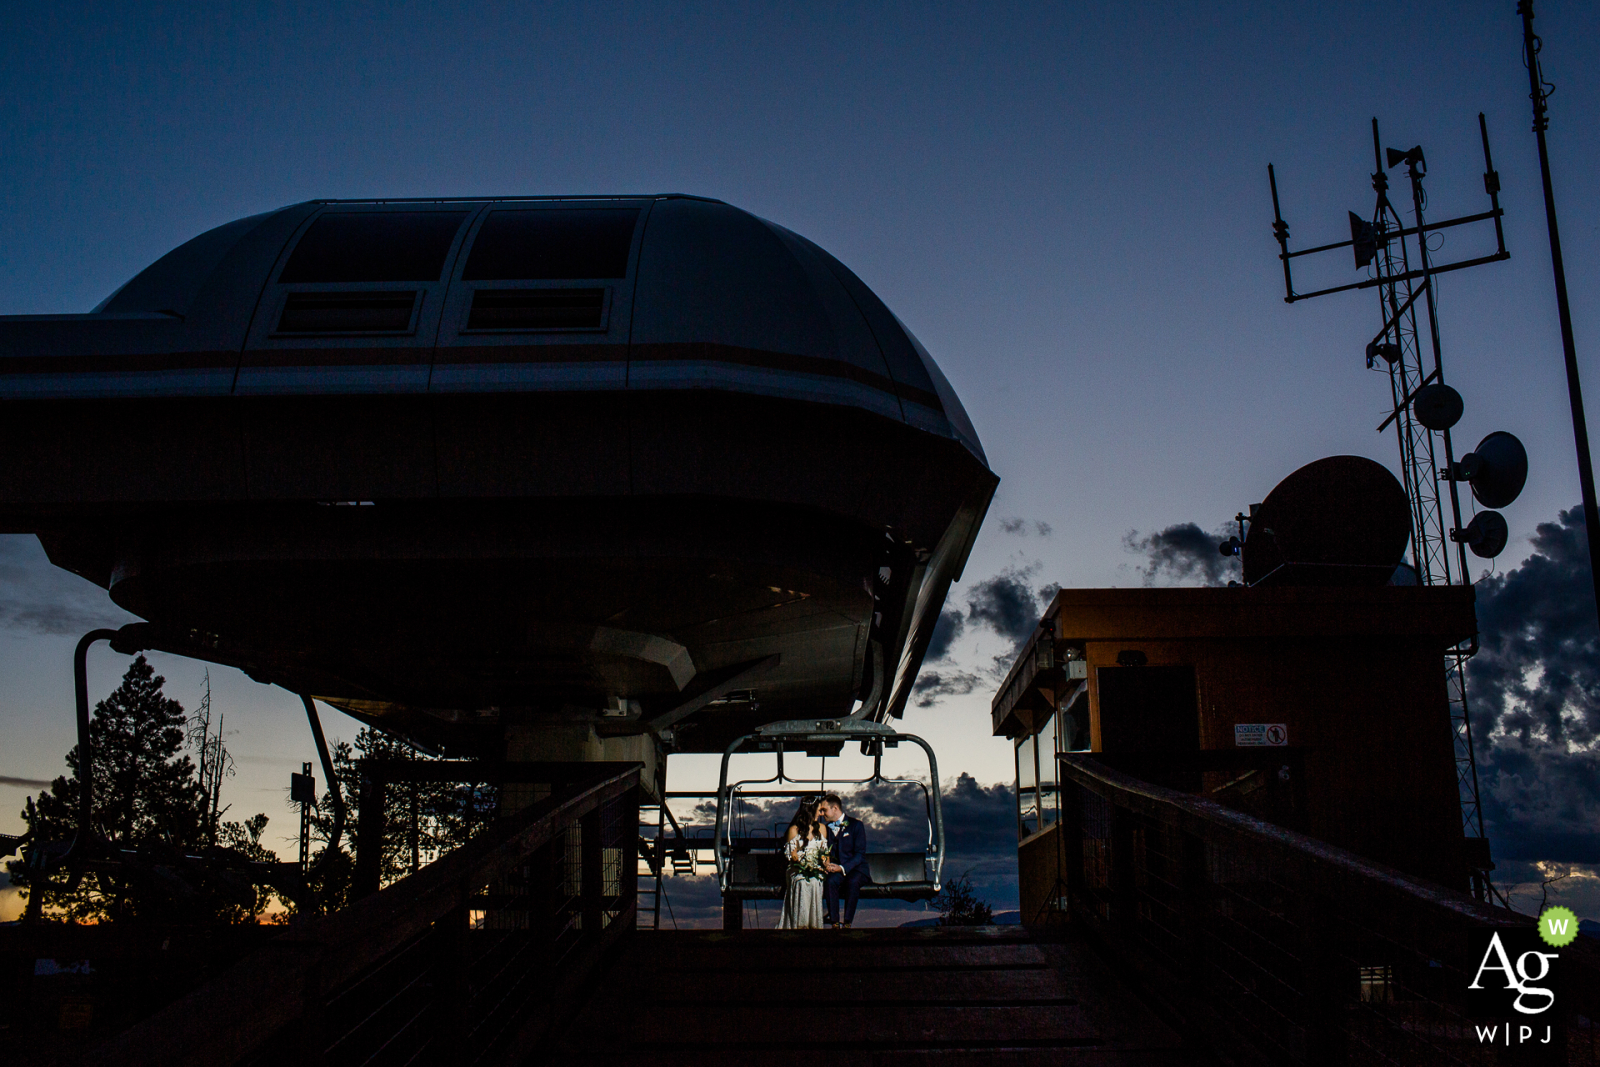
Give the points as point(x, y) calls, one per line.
point(1280, 950)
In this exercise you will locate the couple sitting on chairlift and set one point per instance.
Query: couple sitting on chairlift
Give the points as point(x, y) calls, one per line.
point(827, 858)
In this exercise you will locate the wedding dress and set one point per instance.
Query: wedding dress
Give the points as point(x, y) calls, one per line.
point(802, 896)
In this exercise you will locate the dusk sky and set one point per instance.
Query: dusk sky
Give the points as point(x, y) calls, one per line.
point(1067, 204)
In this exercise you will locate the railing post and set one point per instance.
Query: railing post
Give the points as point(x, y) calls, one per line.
point(311, 1031)
point(541, 890)
point(629, 813)
point(1071, 842)
point(450, 970)
point(1120, 864)
point(1195, 882)
point(1326, 1044)
point(369, 836)
point(592, 877)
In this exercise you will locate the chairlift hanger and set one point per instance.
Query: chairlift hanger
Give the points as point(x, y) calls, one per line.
point(779, 737)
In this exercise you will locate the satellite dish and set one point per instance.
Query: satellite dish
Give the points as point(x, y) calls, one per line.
point(1343, 520)
point(1486, 534)
point(1497, 469)
point(1437, 406)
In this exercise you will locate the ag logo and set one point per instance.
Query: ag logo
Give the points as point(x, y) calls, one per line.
point(1513, 983)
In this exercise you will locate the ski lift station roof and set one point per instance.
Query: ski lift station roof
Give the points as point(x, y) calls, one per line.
point(699, 281)
point(646, 463)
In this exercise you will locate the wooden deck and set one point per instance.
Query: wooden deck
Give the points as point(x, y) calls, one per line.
point(991, 995)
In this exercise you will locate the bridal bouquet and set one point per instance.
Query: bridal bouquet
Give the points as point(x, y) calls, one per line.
point(808, 865)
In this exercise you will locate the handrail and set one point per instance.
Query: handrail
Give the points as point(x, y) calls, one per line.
point(1272, 947)
point(1193, 813)
point(287, 979)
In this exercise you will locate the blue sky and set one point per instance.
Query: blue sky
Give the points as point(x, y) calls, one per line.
point(1066, 202)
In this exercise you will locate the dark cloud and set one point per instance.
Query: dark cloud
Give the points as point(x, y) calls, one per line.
point(1534, 693)
point(945, 632)
point(1017, 526)
point(1530, 885)
point(933, 686)
point(980, 829)
point(1183, 554)
point(1005, 603)
point(25, 783)
point(39, 598)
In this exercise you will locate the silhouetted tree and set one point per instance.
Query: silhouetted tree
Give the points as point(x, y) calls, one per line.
point(148, 798)
point(958, 905)
point(423, 820)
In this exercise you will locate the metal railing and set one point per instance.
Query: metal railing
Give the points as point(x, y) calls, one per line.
point(469, 961)
point(1270, 947)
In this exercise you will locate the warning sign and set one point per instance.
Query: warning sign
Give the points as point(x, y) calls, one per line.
point(1255, 734)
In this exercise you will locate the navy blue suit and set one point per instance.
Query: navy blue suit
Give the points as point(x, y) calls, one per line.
point(849, 850)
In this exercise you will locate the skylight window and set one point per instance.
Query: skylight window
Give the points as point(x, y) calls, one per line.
point(374, 246)
point(550, 243)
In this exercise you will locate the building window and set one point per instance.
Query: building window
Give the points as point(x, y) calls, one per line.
point(1027, 787)
point(1377, 984)
point(1072, 722)
point(1049, 774)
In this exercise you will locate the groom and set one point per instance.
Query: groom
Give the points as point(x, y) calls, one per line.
point(847, 861)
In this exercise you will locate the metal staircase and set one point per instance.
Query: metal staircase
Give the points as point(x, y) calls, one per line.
point(659, 853)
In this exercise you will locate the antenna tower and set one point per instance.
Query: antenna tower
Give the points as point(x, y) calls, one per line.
point(1422, 408)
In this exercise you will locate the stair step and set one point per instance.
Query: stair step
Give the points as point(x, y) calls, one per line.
point(998, 987)
point(873, 1025)
point(837, 955)
point(918, 997)
point(987, 1057)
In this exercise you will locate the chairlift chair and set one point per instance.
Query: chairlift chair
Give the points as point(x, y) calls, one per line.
point(753, 868)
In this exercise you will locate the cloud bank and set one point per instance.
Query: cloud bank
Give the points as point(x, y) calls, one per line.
point(1534, 694)
point(1184, 554)
point(1007, 605)
point(37, 597)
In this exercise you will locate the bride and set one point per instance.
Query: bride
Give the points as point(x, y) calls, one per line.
point(805, 845)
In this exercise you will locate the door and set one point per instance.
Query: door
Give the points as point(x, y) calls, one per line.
point(1150, 723)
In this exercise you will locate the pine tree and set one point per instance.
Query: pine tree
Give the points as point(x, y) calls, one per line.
point(959, 905)
point(423, 820)
point(146, 796)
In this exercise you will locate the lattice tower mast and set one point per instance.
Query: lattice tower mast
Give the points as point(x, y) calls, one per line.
point(1404, 276)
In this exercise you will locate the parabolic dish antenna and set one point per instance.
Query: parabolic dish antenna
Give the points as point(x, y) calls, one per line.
point(1497, 469)
point(1343, 520)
